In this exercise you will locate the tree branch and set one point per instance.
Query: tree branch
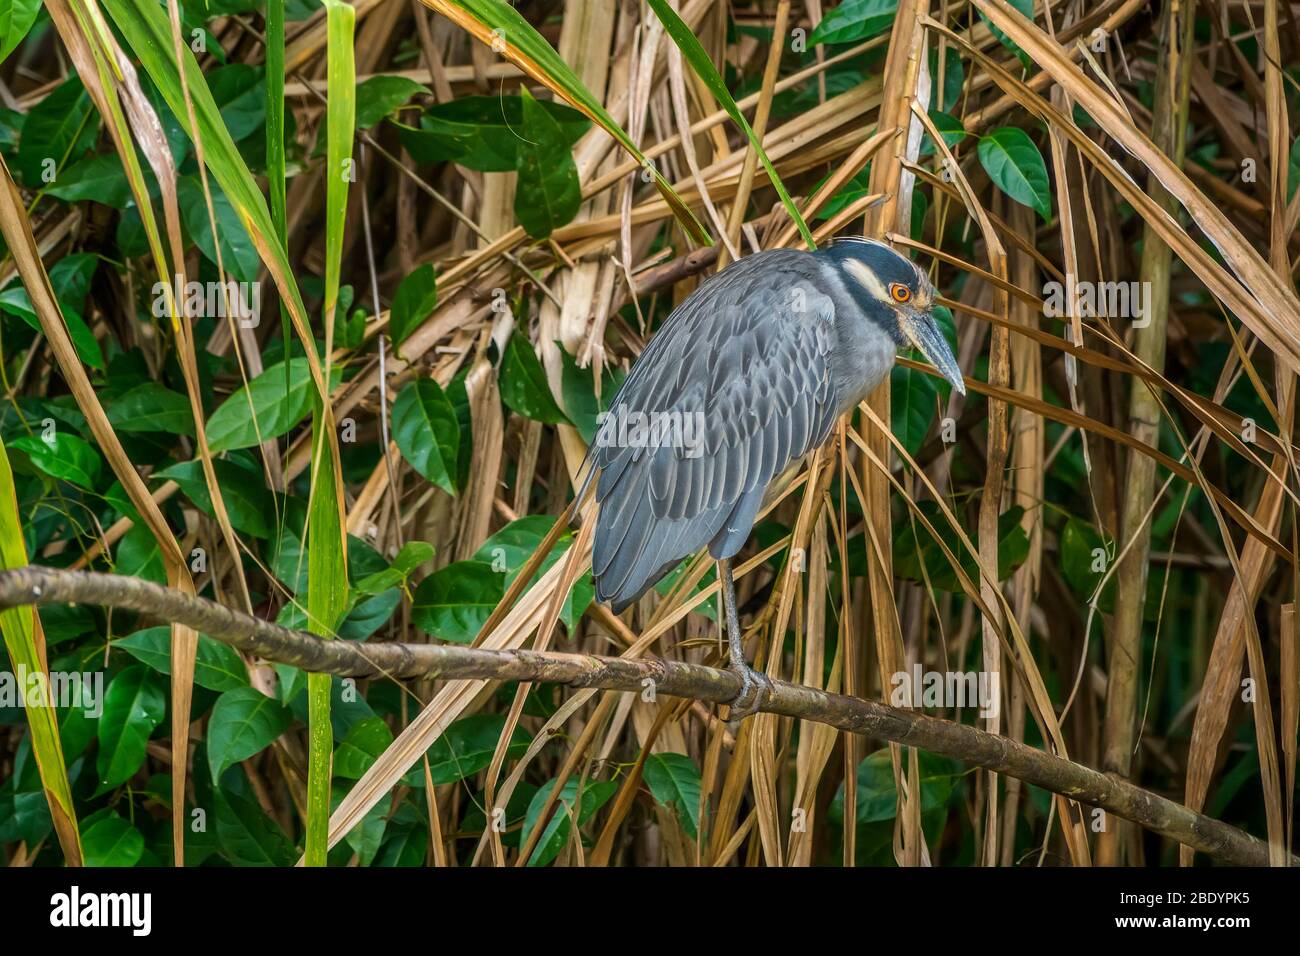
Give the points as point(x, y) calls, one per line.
point(37, 585)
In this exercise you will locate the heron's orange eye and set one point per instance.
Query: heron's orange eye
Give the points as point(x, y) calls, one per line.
point(900, 292)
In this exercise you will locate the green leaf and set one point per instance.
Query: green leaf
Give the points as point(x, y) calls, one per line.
point(243, 722)
point(365, 741)
point(524, 386)
point(1026, 8)
point(427, 433)
point(263, 405)
point(674, 781)
point(522, 43)
point(414, 302)
point(702, 64)
point(913, 544)
point(70, 279)
point(151, 407)
point(578, 388)
point(246, 835)
point(98, 178)
point(412, 555)
point(63, 455)
point(58, 129)
point(467, 747)
point(1085, 557)
point(949, 127)
point(940, 786)
point(247, 500)
point(239, 90)
point(509, 549)
point(1016, 166)
point(139, 556)
point(855, 20)
point(953, 77)
point(134, 705)
point(548, 193)
point(112, 841)
point(238, 254)
point(217, 666)
point(16, 18)
point(380, 95)
point(483, 132)
point(556, 835)
point(454, 602)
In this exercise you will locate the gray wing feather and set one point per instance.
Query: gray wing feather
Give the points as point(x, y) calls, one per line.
point(753, 373)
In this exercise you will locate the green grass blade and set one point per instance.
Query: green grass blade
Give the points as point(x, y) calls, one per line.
point(327, 583)
point(703, 66)
point(497, 24)
point(147, 32)
point(21, 627)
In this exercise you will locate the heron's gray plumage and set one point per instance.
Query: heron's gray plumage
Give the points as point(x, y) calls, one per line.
point(763, 357)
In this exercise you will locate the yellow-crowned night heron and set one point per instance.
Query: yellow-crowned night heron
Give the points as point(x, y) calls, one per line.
point(746, 377)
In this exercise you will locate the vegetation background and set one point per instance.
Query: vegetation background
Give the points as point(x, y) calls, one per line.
point(311, 309)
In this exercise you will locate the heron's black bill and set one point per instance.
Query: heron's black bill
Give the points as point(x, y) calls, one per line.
point(927, 336)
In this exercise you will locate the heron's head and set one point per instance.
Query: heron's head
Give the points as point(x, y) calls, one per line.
point(897, 296)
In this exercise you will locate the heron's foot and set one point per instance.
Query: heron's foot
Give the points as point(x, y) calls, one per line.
point(755, 690)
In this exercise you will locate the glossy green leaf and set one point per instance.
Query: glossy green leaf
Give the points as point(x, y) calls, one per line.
point(524, 386)
point(547, 193)
point(1026, 8)
point(508, 550)
point(555, 837)
point(238, 254)
point(112, 841)
point(414, 302)
point(454, 602)
point(217, 666)
point(483, 132)
point(57, 130)
point(365, 741)
point(16, 18)
point(913, 544)
point(63, 455)
point(467, 747)
point(522, 43)
point(1016, 166)
point(244, 491)
point(379, 96)
point(262, 409)
point(97, 178)
point(134, 704)
point(151, 407)
point(427, 433)
point(855, 20)
point(243, 722)
point(674, 780)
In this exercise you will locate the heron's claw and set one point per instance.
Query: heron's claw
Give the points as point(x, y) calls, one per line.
point(755, 690)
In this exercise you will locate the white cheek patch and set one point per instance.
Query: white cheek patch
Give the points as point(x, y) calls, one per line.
point(867, 279)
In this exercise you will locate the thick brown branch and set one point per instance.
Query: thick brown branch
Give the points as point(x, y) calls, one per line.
point(36, 585)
